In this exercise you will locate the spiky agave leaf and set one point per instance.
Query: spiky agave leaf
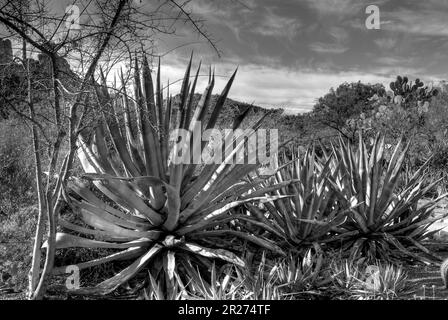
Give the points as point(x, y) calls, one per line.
point(387, 219)
point(311, 212)
point(162, 211)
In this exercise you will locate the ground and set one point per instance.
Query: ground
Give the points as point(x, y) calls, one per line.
point(423, 282)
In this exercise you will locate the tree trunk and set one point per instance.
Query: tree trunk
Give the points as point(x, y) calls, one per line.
point(40, 229)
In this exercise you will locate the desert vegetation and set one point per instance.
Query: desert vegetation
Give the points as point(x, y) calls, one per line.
point(348, 212)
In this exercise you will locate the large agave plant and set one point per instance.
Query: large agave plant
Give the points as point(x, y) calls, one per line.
point(308, 208)
point(386, 223)
point(158, 211)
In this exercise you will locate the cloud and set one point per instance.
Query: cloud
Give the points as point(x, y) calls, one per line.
point(271, 24)
point(273, 87)
point(291, 88)
point(339, 38)
point(340, 8)
point(292, 52)
point(334, 48)
point(341, 35)
point(386, 43)
point(210, 10)
point(277, 72)
point(427, 22)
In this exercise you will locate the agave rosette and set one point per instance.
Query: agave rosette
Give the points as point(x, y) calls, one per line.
point(307, 209)
point(386, 222)
point(158, 211)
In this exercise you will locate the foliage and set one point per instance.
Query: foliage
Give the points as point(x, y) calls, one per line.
point(435, 134)
point(286, 278)
point(291, 277)
point(16, 232)
point(260, 282)
point(347, 101)
point(307, 209)
point(386, 221)
point(357, 279)
point(223, 284)
point(16, 170)
point(136, 204)
point(420, 111)
point(381, 281)
point(346, 273)
point(408, 93)
point(161, 212)
point(17, 215)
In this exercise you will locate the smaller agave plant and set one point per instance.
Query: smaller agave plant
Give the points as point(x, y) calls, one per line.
point(307, 209)
point(165, 214)
point(380, 281)
point(387, 222)
point(290, 277)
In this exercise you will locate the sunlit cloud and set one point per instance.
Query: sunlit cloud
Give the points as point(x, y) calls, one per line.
point(293, 90)
point(386, 43)
point(337, 7)
point(315, 54)
point(334, 48)
point(427, 22)
point(341, 35)
point(290, 52)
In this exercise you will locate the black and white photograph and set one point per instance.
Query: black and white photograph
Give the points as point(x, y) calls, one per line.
point(235, 151)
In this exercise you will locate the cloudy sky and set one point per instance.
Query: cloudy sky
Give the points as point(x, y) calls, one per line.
point(290, 52)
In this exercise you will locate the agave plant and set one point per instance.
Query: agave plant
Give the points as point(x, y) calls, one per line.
point(361, 280)
point(291, 277)
point(260, 281)
point(310, 212)
point(381, 281)
point(386, 222)
point(224, 284)
point(298, 276)
point(151, 208)
point(346, 274)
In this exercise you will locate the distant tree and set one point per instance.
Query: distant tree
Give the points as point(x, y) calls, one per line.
point(349, 100)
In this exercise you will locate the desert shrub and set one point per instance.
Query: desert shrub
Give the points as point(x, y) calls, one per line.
point(348, 101)
point(17, 216)
point(16, 244)
point(16, 169)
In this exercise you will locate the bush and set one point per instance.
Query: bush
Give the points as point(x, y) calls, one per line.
point(16, 170)
point(17, 216)
point(16, 245)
